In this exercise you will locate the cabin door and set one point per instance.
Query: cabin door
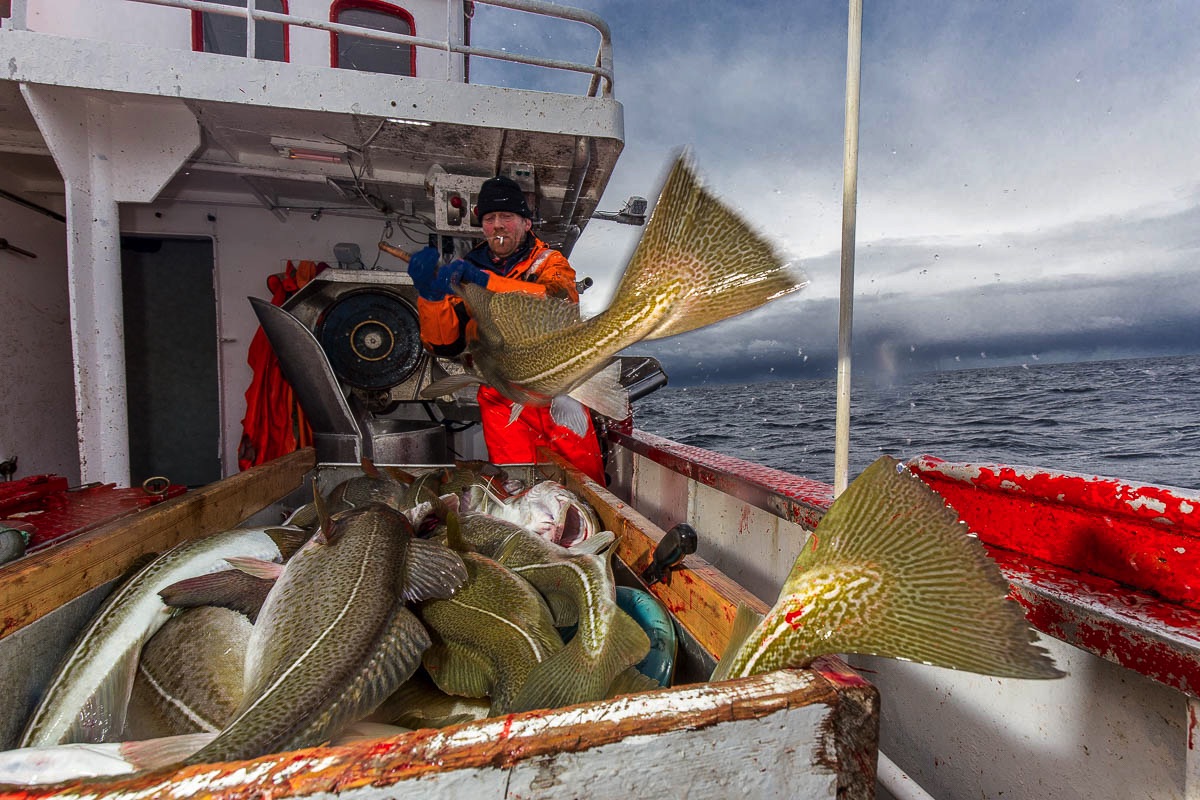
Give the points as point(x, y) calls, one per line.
point(171, 359)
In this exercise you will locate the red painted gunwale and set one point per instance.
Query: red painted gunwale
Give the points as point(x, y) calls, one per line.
point(1145, 537)
point(1104, 565)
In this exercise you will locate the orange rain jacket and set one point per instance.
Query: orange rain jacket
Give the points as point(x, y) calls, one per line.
point(535, 269)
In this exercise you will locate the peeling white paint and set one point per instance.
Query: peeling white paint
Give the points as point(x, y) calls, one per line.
point(1140, 502)
point(678, 701)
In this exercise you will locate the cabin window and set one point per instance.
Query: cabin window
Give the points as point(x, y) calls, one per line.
point(372, 55)
point(221, 33)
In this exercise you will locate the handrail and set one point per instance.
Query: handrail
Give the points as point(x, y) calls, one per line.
point(601, 70)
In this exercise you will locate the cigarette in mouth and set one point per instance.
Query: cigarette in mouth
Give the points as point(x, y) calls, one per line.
point(499, 240)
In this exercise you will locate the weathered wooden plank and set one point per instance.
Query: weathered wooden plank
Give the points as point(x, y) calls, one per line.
point(769, 730)
point(701, 597)
point(41, 582)
point(853, 733)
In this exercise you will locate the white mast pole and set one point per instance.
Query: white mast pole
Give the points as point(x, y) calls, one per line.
point(841, 458)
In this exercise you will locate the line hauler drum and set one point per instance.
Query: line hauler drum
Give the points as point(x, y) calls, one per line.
point(372, 339)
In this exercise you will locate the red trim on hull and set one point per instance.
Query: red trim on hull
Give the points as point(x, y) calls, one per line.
point(1146, 537)
point(1090, 559)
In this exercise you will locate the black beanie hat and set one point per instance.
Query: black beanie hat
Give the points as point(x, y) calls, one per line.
point(501, 193)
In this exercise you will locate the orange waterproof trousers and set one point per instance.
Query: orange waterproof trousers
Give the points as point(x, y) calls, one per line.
point(518, 443)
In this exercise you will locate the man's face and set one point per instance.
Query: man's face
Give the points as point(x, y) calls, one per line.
point(504, 231)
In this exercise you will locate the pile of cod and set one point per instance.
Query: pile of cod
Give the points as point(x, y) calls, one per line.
point(397, 601)
point(412, 603)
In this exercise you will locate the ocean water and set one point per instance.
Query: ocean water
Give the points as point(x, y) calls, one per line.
point(1136, 419)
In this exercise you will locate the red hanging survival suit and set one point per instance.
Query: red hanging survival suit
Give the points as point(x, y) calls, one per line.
point(274, 424)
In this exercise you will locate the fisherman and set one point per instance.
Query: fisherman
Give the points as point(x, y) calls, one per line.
point(510, 259)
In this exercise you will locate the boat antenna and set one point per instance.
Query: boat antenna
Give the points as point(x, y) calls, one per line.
point(841, 452)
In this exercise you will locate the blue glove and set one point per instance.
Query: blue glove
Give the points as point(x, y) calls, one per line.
point(423, 269)
point(460, 271)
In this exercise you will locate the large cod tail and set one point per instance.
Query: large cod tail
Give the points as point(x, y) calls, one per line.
point(698, 262)
point(891, 572)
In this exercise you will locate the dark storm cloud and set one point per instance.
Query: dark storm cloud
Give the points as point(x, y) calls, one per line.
point(1074, 318)
point(1028, 175)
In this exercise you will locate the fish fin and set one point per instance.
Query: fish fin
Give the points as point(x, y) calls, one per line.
point(454, 536)
point(101, 718)
point(563, 608)
point(596, 544)
point(403, 476)
point(304, 516)
point(458, 670)
point(447, 386)
point(570, 413)
point(323, 517)
point(256, 567)
point(163, 751)
point(230, 588)
point(289, 539)
point(515, 412)
point(369, 468)
point(419, 703)
point(918, 587)
point(431, 571)
point(604, 393)
point(517, 316)
point(744, 623)
point(578, 674)
point(631, 681)
point(688, 227)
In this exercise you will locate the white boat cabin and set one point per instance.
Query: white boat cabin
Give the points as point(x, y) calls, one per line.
point(153, 176)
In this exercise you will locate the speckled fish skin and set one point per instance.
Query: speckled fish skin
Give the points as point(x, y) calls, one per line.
point(891, 572)
point(334, 637)
point(488, 636)
point(697, 263)
point(190, 675)
point(86, 700)
point(579, 589)
point(356, 492)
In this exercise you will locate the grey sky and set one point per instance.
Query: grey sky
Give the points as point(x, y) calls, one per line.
point(1029, 178)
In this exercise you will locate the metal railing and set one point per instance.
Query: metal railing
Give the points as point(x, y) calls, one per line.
point(600, 70)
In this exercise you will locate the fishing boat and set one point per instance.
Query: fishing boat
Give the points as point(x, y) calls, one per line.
point(161, 160)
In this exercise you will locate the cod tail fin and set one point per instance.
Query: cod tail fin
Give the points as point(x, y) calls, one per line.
point(578, 673)
point(700, 261)
point(744, 624)
point(915, 584)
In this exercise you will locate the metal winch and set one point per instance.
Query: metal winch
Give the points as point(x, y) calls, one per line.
point(349, 344)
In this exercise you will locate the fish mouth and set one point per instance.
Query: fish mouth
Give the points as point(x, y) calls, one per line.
point(573, 531)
